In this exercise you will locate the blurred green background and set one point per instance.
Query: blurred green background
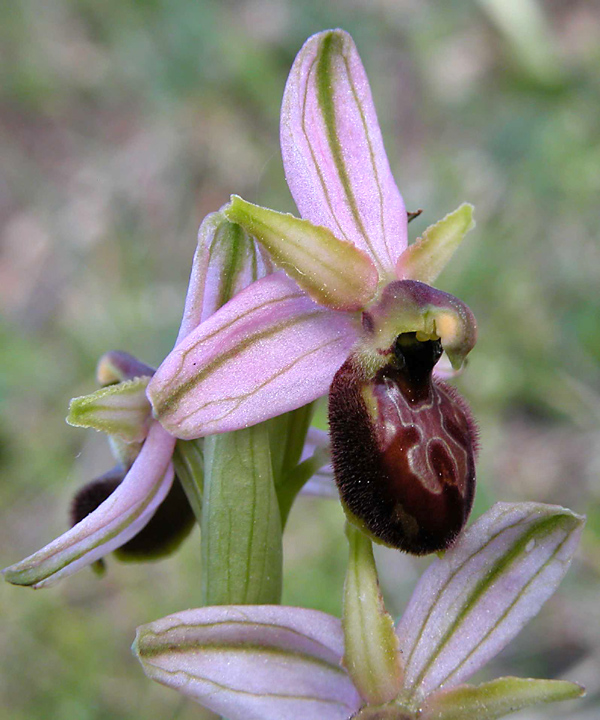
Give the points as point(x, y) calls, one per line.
point(122, 123)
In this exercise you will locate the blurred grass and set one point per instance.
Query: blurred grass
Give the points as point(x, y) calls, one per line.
point(123, 123)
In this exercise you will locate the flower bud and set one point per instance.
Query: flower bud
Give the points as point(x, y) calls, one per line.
point(403, 443)
point(117, 366)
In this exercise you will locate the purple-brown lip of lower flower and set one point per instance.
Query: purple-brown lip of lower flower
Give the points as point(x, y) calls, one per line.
point(403, 448)
point(168, 527)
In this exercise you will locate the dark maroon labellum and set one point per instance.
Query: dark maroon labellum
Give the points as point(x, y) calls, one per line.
point(403, 446)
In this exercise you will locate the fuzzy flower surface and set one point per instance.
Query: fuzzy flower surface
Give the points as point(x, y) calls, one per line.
point(282, 663)
point(278, 344)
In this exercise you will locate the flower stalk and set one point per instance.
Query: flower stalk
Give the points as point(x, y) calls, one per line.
point(241, 526)
point(371, 647)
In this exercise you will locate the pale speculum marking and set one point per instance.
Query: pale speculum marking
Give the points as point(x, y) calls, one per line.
point(438, 456)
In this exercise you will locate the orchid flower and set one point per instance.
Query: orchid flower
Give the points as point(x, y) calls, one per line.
point(353, 313)
point(121, 410)
point(114, 511)
point(282, 663)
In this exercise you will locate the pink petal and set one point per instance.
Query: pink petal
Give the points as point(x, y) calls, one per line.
point(470, 603)
point(268, 350)
point(112, 524)
point(252, 662)
point(227, 260)
point(333, 153)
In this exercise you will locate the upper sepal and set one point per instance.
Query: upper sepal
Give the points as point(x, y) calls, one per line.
point(333, 272)
point(333, 154)
point(226, 261)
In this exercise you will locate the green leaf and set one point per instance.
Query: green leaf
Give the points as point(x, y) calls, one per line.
point(287, 434)
point(122, 410)
point(497, 698)
point(241, 528)
point(371, 647)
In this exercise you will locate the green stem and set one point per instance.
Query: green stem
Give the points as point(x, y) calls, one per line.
point(189, 468)
point(371, 653)
point(241, 526)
